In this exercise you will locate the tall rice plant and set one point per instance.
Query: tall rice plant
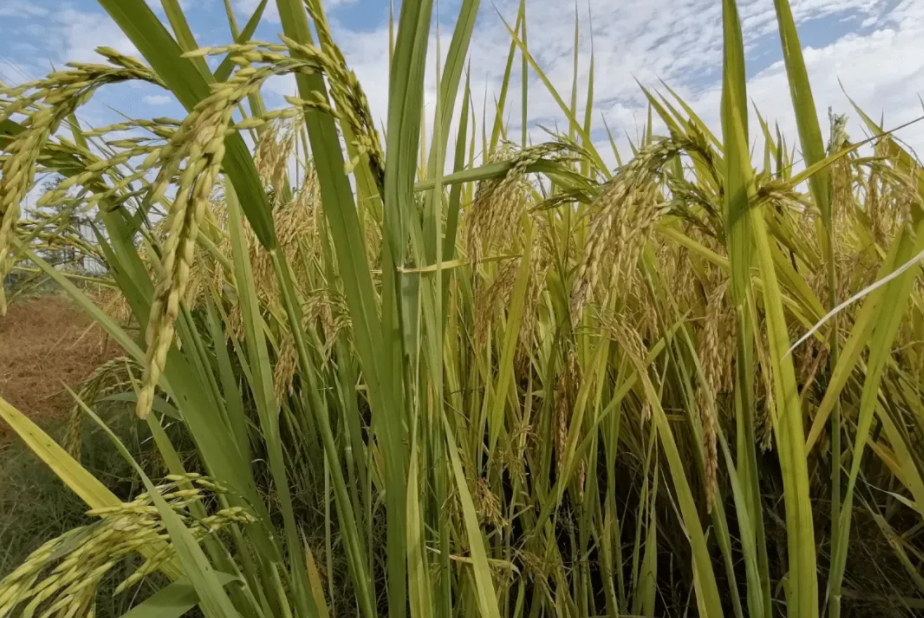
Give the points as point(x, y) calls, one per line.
point(528, 386)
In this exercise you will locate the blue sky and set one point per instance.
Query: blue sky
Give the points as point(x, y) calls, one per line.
point(874, 47)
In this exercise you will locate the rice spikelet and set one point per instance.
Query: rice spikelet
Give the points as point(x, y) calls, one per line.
point(200, 144)
point(63, 575)
point(47, 102)
point(625, 212)
point(711, 359)
point(494, 219)
point(566, 389)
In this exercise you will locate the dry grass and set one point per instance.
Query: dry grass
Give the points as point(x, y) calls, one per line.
point(45, 342)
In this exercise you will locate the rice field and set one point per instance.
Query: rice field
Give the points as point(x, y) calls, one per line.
point(455, 372)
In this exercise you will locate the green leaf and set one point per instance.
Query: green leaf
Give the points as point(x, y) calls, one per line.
point(813, 148)
point(572, 120)
point(484, 587)
point(174, 601)
point(452, 70)
point(205, 580)
point(86, 303)
point(87, 487)
point(863, 326)
point(265, 399)
point(68, 469)
point(419, 583)
point(159, 406)
point(707, 590)
point(886, 323)
point(744, 226)
point(511, 336)
point(501, 103)
point(184, 35)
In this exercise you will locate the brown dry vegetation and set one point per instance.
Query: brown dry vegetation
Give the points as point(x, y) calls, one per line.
point(44, 341)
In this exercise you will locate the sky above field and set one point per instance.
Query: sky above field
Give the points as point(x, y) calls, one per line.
point(871, 49)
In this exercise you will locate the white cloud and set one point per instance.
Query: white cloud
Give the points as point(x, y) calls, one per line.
point(872, 46)
point(25, 48)
point(76, 35)
point(158, 7)
point(882, 71)
point(281, 86)
point(157, 99)
point(21, 8)
point(17, 72)
point(680, 41)
point(245, 8)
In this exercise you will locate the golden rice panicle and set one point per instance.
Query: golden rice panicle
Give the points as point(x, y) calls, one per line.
point(495, 212)
point(541, 261)
point(873, 206)
point(494, 219)
point(328, 308)
point(491, 299)
point(297, 231)
point(285, 367)
point(566, 389)
point(487, 505)
point(710, 356)
point(106, 178)
point(46, 103)
point(625, 334)
point(273, 153)
point(17, 174)
point(350, 101)
point(625, 211)
point(104, 379)
point(763, 390)
point(200, 144)
point(75, 563)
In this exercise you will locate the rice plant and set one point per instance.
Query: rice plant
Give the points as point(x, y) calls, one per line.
point(486, 377)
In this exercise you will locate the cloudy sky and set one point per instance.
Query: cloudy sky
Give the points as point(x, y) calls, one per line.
point(874, 48)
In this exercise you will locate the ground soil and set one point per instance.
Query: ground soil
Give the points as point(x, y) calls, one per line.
point(44, 341)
